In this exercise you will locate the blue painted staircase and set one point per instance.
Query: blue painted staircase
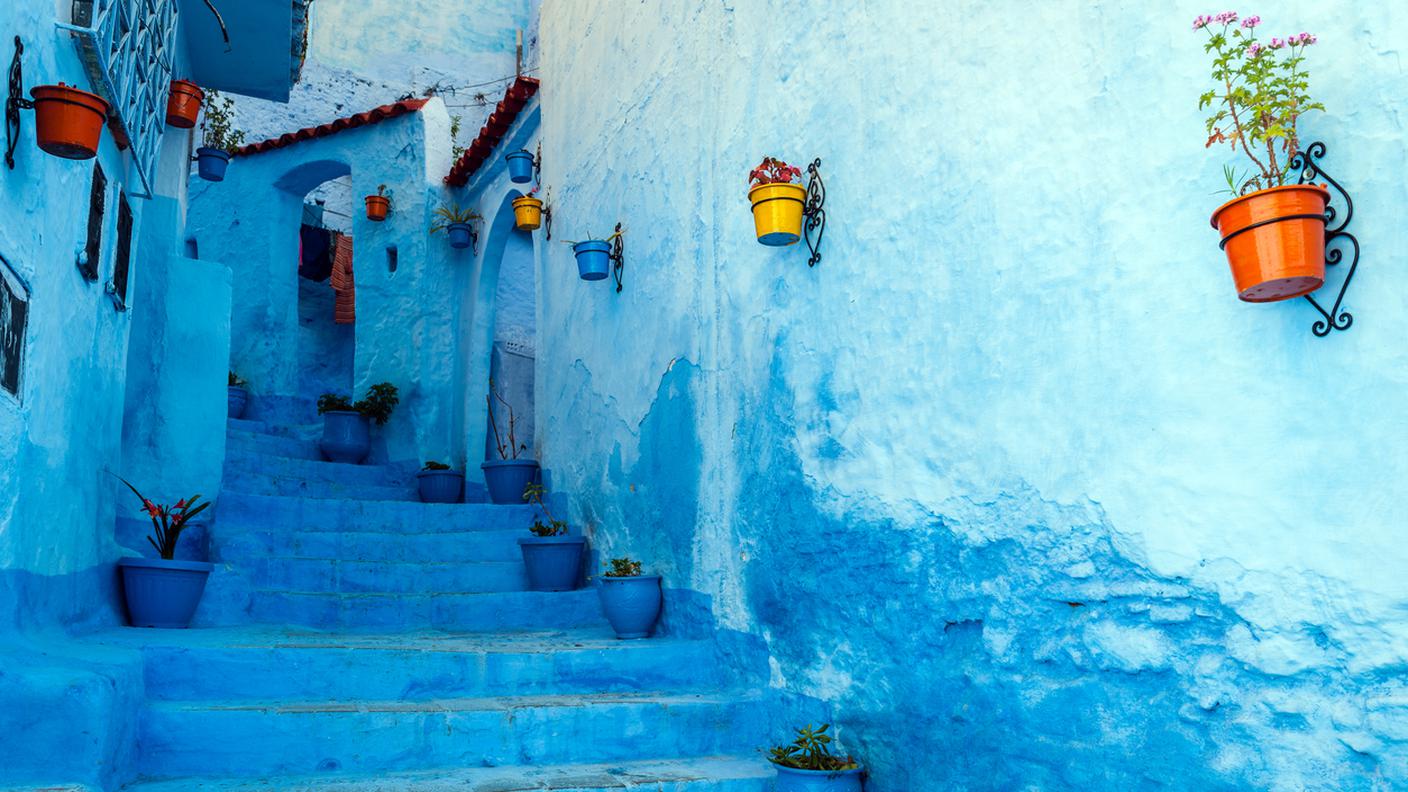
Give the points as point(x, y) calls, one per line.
point(352, 638)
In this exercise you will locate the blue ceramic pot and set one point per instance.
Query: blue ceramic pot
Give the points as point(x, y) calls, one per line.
point(553, 563)
point(593, 259)
point(507, 478)
point(440, 486)
point(459, 235)
point(346, 436)
point(632, 604)
point(211, 163)
point(793, 780)
point(239, 397)
point(520, 167)
point(162, 593)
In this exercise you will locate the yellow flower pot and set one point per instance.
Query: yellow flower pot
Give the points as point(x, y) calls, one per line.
point(528, 212)
point(777, 213)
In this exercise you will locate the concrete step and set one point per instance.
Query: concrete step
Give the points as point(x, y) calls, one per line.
point(388, 577)
point(240, 441)
point(510, 611)
point(243, 738)
point(745, 773)
point(241, 510)
point(240, 465)
point(239, 547)
point(276, 663)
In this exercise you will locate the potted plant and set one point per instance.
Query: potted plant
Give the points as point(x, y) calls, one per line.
point(528, 211)
point(808, 765)
point(220, 138)
point(777, 201)
point(1272, 229)
point(631, 600)
point(437, 483)
point(455, 222)
point(347, 426)
point(238, 396)
point(507, 476)
point(520, 166)
point(593, 257)
point(183, 104)
point(378, 205)
point(164, 592)
point(68, 122)
point(551, 558)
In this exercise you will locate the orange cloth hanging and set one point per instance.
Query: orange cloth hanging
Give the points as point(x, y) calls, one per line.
point(345, 306)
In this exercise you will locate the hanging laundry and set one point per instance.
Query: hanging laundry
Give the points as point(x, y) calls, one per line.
point(315, 252)
point(345, 306)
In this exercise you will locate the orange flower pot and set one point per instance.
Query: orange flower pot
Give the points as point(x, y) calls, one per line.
point(527, 213)
point(1275, 241)
point(68, 122)
point(377, 207)
point(183, 104)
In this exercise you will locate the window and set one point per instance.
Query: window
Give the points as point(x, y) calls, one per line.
point(390, 258)
point(93, 249)
point(14, 313)
point(122, 255)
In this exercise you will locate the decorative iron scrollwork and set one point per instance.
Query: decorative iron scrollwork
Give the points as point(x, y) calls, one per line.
point(814, 211)
point(547, 215)
point(1307, 161)
point(618, 257)
point(14, 103)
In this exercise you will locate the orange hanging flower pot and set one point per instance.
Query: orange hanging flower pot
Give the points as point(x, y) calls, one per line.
point(1275, 241)
point(183, 104)
point(378, 206)
point(68, 122)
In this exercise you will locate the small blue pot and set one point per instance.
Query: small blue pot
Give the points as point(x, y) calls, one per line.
point(593, 259)
point(792, 780)
point(507, 478)
point(520, 167)
point(632, 604)
point(440, 486)
point(553, 563)
point(162, 593)
point(239, 397)
point(211, 163)
point(459, 235)
point(346, 436)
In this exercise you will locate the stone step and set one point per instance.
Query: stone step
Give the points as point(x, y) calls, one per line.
point(317, 471)
point(388, 577)
point(257, 484)
point(301, 431)
point(509, 611)
point(241, 510)
point(239, 441)
point(243, 738)
point(708, 774)
point(238, 547)
point(275, 663)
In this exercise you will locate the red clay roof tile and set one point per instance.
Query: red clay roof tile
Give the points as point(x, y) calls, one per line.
point(505, 113)
point(372, 116)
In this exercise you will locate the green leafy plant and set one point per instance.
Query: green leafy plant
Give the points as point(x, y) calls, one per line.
point(167, 521)
point(1261, 91)
point(333, 402)
point(553, 527)
point(456, 148)
point(236, 381)
point(453, 215)
point(433, 465)
point(591, 238)
point(623, 567)
point(219, 130)
point(811, 751)
point(377, 405)
point(512, 448)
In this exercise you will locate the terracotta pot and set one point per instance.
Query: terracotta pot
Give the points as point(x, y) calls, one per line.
point(1275, 241)
point(68, 122)
point(183, 104)
point(377, 207)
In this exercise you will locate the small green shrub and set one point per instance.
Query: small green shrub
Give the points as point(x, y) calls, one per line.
point(333, 402)
point(553, 527)
point(811, 751)
point(623, 567)
point(377, 405)
point(236, 381)
point(433, 465)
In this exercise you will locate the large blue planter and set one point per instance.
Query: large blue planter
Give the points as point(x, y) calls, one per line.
point(593, 259)
point(440, 486)
point(520, 167)
point(553, 563)
point(211, 163)
point(346, 436)
point(162, 593)
point(793, 780)
point(459, 235)
point(507, 478)
point(239, 397)
point(632, 604)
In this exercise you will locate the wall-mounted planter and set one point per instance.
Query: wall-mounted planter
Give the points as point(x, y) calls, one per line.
point(162, 593)
point(238, 398)
point(507, 478)
point(790, 779)
point(346, 436)
point(68, 122)
point(377, 207)
point(1275, 241)
point(461, 235)
point(183, 104)
point(520, 167)
point(211, 163)
point(527, 213)
point(552, 563)
point(440, 486)
point(777, 213)
point(593, 259)
point(632, 604)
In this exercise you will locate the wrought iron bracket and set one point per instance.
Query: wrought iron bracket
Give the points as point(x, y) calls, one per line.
point(618, 257)
point(547, 217)
point(14, 103)
point(538, 164)
point(1307, 161)
point(814, 210)
point(118, 304)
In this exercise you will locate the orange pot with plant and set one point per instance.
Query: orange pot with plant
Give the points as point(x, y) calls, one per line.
point(183, 104)
point(379, 205)
point(68, 122)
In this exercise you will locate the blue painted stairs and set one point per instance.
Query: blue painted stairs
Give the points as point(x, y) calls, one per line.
point(354, 639)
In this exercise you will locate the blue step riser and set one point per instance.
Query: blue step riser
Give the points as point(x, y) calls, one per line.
point(271, 445)
point(179, 739)
point(294, 487)
point(477, 613)
point(238, 466)
point(243, 547)
point(360, 577)
point(267, 512)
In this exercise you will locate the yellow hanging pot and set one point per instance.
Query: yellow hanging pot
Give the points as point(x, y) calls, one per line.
point(777, 213)
point(527, 212)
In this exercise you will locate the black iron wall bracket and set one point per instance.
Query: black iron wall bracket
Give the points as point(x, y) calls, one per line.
point(1338, 241)
point(814, 211)
point(618, 257)
point(14, 103)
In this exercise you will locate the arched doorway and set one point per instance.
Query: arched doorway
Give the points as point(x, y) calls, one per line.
point(326, 317)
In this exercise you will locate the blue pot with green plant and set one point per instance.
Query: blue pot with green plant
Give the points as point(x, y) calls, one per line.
point(630, 600)
point(520, 166)
point(807, 764)
point(164, 592)
point(507, 477)
point(456, 223)
point(347, 426)
point(219, 136)
point(437, 483)
point(593, 259)
point(552, 560)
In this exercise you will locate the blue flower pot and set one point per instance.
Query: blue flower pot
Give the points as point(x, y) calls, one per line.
point(346, 436)
point(553, 563)
point(162, 593)
point(793, 780)
point(459, 235)
point(593, 259)
point(440, 486)
point(239, 397)
point(520, 167)
point(632, 604)
point(211, 163)
point(507, 478)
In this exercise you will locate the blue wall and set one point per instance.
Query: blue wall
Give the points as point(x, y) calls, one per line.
point(1011, 477)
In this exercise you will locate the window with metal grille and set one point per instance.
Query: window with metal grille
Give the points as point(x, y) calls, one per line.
point(93, 249)
point(122, 254)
